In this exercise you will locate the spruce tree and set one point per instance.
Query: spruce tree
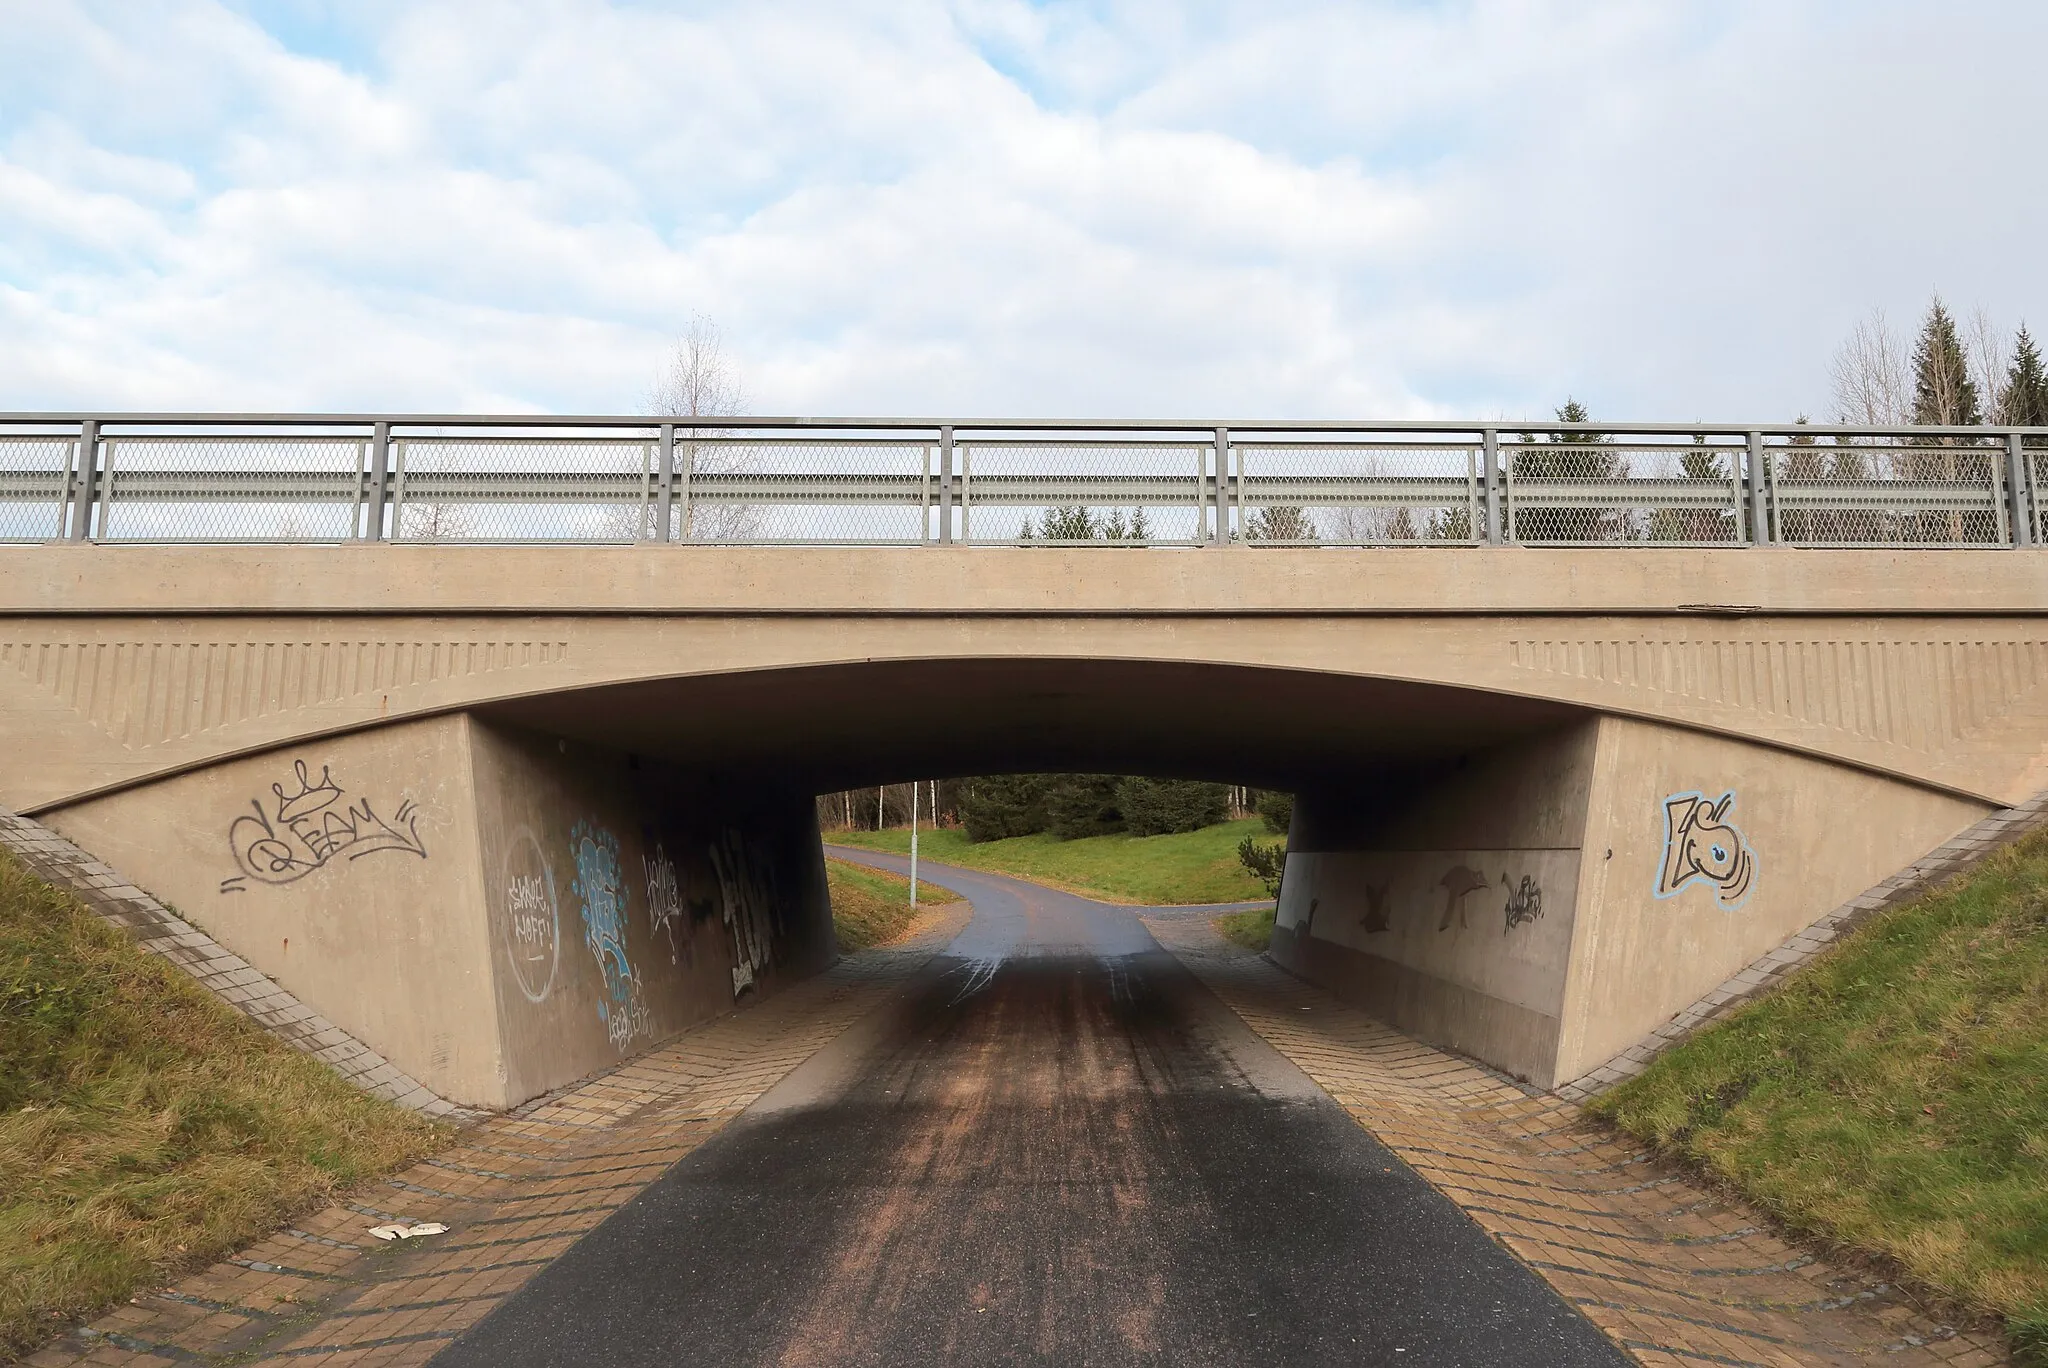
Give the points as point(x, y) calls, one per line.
point(2025, 401)
point(1568, 456)
point(1943, 393)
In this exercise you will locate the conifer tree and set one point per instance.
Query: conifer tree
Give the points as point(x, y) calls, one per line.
point(1568, 456)
point(2025, 400)
point(1944, 395)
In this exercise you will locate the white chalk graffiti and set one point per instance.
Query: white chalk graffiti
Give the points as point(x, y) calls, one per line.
point(533, 917)
point(1702, 846)
point(747, 900)
point(664, 899)
point(601, 888)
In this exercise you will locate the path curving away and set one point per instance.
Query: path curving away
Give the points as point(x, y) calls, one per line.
point(1056, 1146)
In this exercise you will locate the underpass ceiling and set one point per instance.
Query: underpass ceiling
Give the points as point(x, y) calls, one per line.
point(847, 726)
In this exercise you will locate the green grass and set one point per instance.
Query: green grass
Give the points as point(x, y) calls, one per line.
point(1190, 867)
point(1251, 928)
point(872, 906)
point(144, 1126)
point(1893, 1096)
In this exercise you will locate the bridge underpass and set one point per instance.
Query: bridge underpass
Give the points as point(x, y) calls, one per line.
point(511, 815)
point(1495, 846)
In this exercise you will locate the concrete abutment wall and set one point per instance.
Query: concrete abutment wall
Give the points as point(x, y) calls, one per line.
point(1544, 905)
point(497, 912)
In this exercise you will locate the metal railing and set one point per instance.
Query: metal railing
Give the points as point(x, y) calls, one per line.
point(218, 478)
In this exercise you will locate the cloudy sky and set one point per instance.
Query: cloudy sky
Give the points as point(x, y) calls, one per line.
point(1669, 208)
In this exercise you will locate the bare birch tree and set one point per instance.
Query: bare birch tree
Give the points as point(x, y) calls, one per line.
point(700, 380)
point(1872, 378)
point(1990, 354)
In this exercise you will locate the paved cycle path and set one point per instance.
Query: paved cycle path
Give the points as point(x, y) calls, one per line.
point(1056, 1147)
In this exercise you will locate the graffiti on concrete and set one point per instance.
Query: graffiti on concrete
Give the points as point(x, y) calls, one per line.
point(1702, 846)
point(1461, 882)
point(307, 824)
point(664, 901)
point(746, 887)
point(1375, 919)
point(600, 887)
point(1525, 902)
point(533, 917)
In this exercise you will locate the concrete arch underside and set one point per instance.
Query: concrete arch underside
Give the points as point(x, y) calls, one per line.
point(506, 847)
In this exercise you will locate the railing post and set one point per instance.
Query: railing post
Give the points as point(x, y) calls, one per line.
point(380, 482)
point(1222, 537)
point(946, 486)
point(2017, 489)
point(1489, 471)
point(665, 493)
point(85, 480)
point(1759, 477)
point(680, 483)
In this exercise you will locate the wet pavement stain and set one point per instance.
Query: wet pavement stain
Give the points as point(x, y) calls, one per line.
point(1058, 1148)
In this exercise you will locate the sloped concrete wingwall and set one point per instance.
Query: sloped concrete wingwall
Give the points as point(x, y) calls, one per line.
point(1703, 853)
point(1544, 905)
point(496, 913)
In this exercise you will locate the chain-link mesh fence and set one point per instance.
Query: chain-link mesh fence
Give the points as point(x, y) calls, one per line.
point(1358, 493)
point(492, 489)
point(1084, 493)
point(2034, 470)
point(1941, 492)
point(232, 489)
point(594, 481)
point(33, 472)
point(774, 490)
point(1589, 490)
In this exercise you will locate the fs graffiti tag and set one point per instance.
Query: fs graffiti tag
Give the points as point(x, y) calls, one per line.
point(1702, 846)
point(533, 918)
point(310, 825)
point(601, 887)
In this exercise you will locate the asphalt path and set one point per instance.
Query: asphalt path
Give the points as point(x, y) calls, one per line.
point(1056, 1147)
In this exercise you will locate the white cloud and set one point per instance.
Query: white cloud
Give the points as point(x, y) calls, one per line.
point(1000, 207)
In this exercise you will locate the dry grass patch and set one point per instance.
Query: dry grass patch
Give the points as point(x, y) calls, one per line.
point(1252, 928)
point(872, 906)
point(1893, 1096)
point(145, 1126)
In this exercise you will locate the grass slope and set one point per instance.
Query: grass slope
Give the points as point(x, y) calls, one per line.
point(1188, 867)
point(1893, 1096)
point(144, 1126)
point(872, 906)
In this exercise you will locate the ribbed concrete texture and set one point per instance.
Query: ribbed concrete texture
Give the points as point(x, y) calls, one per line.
point(229, 977)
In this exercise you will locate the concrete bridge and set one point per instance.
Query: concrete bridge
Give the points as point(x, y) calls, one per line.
point(510, 812)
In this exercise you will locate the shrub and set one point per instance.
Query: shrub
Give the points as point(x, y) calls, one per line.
point(1078, 805)
point(1264, 861)
point(1157, 807)
point(1278, 810)
point(997, 806)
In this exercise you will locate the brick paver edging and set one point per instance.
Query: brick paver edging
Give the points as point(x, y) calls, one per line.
point(1959, 853)
point(1675, 1273)
point(219, 970)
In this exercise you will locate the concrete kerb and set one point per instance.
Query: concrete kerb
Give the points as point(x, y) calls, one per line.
point(1960, 853)
point(226, 975)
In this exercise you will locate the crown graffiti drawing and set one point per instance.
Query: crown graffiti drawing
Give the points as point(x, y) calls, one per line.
point(310, 798)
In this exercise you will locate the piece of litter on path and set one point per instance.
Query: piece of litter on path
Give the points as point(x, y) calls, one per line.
point(407, 1232)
